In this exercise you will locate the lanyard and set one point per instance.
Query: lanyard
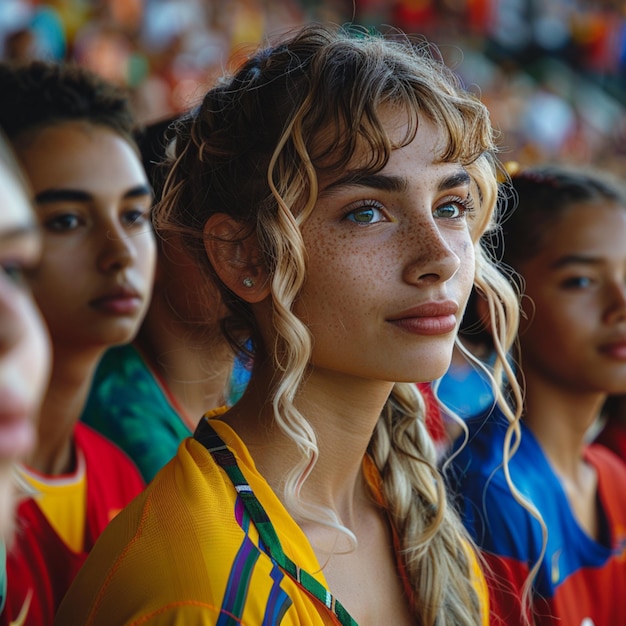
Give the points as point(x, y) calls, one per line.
point(3, 575)
point(206, 435)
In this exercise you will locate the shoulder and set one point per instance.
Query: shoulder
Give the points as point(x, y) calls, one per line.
point(122, 384)
point(611, 475)
point(481, 459)
point(478, 456)
point(186, 514)
point(104, 458)
point(605, 460)
point(117, 366)
point(486, 499)
point(92, 443)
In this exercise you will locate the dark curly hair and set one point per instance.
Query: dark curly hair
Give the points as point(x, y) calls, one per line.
point(540, 195)
point(39, 94)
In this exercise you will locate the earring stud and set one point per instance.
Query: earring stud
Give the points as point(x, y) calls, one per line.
point(248, 282)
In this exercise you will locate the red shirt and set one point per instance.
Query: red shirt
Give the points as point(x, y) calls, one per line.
point(39, 560)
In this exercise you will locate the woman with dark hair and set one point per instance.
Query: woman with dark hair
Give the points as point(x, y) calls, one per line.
point(563, 241)
point(72, 134)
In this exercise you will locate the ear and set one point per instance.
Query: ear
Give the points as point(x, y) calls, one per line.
point(236, 259)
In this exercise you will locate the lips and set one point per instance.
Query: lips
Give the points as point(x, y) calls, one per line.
point(118, 301)
point(429, 318)
point(615, 350)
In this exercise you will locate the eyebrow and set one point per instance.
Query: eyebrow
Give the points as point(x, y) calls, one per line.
point(77, 195)
point(575, 259)
point(385, 182)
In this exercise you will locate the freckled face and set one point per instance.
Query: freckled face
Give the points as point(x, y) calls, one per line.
point(390, 265)
point(95, 278)
point(576, 288)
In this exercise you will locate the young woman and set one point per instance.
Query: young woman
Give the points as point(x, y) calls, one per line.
point(24, 344)
point(566, 240)
point(178, 365)
point(72, 134)
point(335, 188)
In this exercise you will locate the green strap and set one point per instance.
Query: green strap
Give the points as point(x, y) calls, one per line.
point(3, 575)
point(206, 435)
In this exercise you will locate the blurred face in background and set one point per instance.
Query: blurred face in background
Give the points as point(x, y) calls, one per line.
point(575, 336)
point(24, 345)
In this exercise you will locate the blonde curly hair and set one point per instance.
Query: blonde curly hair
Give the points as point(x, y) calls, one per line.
point(254, 149)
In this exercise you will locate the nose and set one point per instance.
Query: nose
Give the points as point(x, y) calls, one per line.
point(616, 311)
point(433, 259)
point(117, 249)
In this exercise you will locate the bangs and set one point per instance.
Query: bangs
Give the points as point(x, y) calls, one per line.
point(358, 86)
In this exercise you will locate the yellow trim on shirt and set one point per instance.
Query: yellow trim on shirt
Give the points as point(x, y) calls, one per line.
point(63, 501)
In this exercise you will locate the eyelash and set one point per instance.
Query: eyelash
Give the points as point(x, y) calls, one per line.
point(59, 223)
point(466, 204)
point(577, 282)
point(363, 205)
point(131, 218)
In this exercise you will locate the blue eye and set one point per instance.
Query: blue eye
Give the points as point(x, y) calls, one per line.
point(577, 282)
point(451, 210)
point(367, 214)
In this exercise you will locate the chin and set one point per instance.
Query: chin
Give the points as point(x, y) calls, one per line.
point(430, 367)
point(121, 335)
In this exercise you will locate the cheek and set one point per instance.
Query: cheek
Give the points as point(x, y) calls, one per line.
point(60, 273)
point(62, 267)
point(145, 252)
point(544, 324)
point(467, 258)
point(52, 287)
point(467, 266)
point(341, 277)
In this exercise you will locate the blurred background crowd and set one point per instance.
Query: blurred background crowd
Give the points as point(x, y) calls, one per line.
point(552, 72)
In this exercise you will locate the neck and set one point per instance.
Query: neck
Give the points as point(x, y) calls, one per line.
point(560, 419)
point(61, 409)
point(195, 369)
point(342, 412)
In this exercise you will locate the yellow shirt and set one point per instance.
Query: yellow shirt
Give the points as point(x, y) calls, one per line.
point(185, 553)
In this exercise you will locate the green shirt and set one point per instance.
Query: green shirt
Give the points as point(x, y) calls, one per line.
point(128, 405)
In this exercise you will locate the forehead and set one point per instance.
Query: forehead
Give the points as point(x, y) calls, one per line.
point(79, 155)
point(407, 144)
point(596, 229)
